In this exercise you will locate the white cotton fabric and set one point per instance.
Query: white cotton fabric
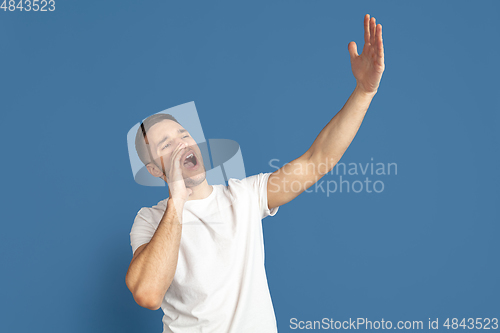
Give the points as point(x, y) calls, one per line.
point(220, 283)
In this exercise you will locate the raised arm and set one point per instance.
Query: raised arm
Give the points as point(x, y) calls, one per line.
point(293, 178)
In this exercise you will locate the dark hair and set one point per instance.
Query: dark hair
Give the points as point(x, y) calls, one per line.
point(141, 140)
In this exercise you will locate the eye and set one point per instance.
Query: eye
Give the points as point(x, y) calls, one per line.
point(165, 146)
point(185, 136)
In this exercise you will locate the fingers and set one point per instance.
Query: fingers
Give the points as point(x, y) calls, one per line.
point(367, 28)
point(372, 30)
point(175, 159)
point(380, 44)
point(176, 155)
point(373, 27)
point(373, 36)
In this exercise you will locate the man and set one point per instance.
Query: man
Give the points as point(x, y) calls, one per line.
point(199, 254)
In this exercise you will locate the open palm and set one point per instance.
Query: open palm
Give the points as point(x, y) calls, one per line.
point(369, 66)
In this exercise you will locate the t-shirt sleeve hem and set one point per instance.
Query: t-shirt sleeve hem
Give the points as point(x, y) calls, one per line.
point(142, 230)
point(263, 196)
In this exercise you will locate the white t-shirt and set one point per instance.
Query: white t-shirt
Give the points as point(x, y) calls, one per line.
point(220, 283)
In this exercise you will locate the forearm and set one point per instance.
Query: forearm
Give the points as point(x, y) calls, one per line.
point(152, 271)
point(337, 135)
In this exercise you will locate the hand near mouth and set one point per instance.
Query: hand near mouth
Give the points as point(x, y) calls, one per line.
point(175, 179)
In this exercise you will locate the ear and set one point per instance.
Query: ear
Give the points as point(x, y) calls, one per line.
point(154, 170)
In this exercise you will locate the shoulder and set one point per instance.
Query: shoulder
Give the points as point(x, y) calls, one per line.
point(152, 214)
point(255, 189)
point(253, 183)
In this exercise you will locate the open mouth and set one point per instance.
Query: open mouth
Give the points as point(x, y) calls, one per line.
point(190, 161)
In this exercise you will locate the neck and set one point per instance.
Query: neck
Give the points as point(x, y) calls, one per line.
point(200, 191)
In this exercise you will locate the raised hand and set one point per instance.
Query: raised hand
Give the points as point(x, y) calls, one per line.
point(369, 66)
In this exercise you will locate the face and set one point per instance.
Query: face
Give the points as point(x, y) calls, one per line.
point(163, 137)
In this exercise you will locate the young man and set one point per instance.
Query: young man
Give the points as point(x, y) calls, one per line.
point(199, 254)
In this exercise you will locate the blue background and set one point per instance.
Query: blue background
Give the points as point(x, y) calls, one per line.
point(269, 75)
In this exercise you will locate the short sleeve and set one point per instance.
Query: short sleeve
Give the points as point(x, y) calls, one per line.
point(142, 229)
point(258, 184)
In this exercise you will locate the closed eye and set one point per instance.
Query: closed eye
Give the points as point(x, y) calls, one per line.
point(168, 144)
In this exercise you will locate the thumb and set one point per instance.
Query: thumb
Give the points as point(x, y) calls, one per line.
point(353, 49)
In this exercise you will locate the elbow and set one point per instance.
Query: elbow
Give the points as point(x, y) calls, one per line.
point(148, 302)
point(144, 298)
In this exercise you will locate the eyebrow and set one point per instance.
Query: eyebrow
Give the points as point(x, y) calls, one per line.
point(180, 130)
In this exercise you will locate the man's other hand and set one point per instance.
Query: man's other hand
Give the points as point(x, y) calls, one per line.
point(369, 66)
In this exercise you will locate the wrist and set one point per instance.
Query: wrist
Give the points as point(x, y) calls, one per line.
point(177, 204)
point(359, 90)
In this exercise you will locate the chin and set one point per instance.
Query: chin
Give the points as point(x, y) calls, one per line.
point(195, 180)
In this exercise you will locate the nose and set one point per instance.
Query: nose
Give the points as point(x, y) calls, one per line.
point(181, 140)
